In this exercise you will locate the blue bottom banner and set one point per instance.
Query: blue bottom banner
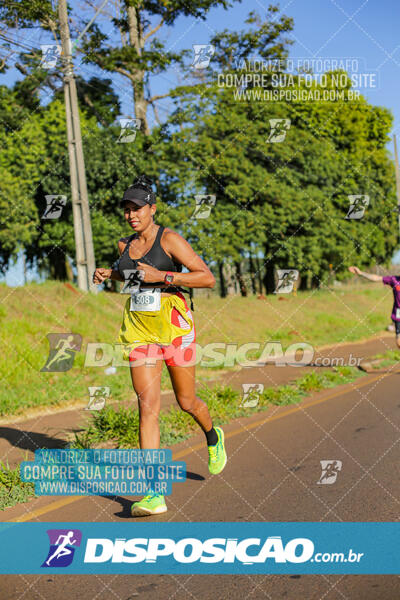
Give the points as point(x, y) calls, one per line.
point(240, 548)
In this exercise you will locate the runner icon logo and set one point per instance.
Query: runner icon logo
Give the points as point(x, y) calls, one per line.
point(132, 281)
point(50, 54)
point(202, 55)
point(286, 280)
point(358, 205)
point(251, 394)
point(279, 128)
point(62, 351)
point(97, 397)
point(129, 128)
point(204, 204)
point(62, 547)
point(54, 208)
point(330, 470)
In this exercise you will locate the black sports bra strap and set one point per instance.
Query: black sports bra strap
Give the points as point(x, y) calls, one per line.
point(131, 237)
point(159, 234)
point(156, 241)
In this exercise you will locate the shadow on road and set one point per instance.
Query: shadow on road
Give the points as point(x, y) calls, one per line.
point(30, 440)
point(125, 512)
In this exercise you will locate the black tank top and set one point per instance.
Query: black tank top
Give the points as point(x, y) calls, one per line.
point(156, 257)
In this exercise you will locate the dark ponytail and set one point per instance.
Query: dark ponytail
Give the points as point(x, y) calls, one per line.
point(143, 182)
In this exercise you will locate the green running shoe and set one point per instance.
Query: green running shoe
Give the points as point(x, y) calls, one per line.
point(152, 504)
point(216, 454)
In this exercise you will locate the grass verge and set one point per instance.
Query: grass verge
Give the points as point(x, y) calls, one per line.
point(121, 426)
point(29, 313)
point(387, 359)
point(12, 489)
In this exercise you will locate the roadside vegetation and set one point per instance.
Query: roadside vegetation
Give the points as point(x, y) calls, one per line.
point(121, 425)
point(29, 313)
point(118, 427)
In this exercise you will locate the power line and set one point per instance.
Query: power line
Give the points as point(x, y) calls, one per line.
point(11, 41)
point(88, 25)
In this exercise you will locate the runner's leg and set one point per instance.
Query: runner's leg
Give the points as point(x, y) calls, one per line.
point(183, 382)
point(183, 379)
point(397, 326)
point(181, 364)
point(146, 381)
point(180, 358)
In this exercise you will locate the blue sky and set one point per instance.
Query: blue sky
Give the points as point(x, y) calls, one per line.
point(365, 30)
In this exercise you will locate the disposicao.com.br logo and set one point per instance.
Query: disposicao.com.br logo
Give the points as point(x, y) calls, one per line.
point(62, 547)
point(247, 551)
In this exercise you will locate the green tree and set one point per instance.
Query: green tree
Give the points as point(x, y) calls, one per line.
point(289, 200)
point(209, 148)
point(141, 52)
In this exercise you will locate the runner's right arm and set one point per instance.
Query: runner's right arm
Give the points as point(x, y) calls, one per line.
point(369, 276)
point(101, 275)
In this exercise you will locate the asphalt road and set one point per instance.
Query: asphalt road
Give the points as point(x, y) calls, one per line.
point(271, 475)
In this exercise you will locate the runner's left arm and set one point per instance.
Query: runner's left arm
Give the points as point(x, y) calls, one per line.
point(199, 275)
point(369, 276)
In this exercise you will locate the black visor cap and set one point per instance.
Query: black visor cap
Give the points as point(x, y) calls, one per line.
point(138, 196)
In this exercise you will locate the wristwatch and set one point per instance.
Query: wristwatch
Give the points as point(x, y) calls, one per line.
point(169, 278)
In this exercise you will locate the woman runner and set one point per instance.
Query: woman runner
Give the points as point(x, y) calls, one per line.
point(158, 326)
point(394, 283)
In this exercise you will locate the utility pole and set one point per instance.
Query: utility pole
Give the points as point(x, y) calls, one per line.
point(80, 206)
point(396, 165)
